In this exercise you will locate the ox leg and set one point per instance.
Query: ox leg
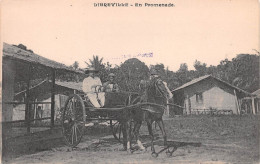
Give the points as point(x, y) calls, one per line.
point(137, 135)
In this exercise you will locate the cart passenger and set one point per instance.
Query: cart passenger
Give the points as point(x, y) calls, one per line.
point(111, 85)
point(91, 86)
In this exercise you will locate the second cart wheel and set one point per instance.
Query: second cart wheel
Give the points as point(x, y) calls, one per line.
point(73, 120)
point(117, 130)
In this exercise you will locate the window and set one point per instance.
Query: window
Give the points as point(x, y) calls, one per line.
point(199, 98)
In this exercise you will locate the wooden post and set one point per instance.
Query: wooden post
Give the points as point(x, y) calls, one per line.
point(187, 105)
point(185, 108)
point(253, 105)
point(27, 103)
point(246, 110)
point(238, 111)
point(257, 106)
point(240, 105)
point(60, 105)
point(167, 109)
point(52, 98)
point(35, 111)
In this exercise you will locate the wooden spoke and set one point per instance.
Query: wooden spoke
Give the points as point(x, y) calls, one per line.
point(120, 131)
point(73, 120)
point(72, 139)
point(77, 128)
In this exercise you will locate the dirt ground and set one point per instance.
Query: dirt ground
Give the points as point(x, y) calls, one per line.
point(223, 139)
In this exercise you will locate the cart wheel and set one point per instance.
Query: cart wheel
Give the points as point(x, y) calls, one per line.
point(73, 120)
point(116, 129)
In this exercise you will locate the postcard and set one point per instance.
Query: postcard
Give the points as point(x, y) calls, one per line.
point(145, 81)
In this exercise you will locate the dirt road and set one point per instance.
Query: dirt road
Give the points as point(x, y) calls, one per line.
point(224, 139)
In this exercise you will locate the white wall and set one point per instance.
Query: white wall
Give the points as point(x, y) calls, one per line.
point(215, 98)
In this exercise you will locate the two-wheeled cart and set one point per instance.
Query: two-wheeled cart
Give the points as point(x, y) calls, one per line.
point(78, 113)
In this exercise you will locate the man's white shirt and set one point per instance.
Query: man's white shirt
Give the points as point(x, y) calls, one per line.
point(88, 87)
point(89, 84)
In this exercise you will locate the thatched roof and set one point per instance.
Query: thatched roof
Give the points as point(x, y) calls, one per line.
point(206, 77)
point(15, 53)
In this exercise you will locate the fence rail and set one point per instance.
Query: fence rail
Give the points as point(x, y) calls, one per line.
point(211, 112)
point(27, 119)
point(16, 103)
point(31, 120)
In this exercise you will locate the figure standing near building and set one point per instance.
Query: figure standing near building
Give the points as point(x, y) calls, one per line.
point(111, 85)
point(92, 87)
point(39, 112)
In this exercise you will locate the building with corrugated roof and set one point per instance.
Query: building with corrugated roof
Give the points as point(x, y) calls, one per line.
point(208, 94)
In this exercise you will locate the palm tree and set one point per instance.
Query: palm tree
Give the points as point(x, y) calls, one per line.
point(95, 62)
point(75, 65)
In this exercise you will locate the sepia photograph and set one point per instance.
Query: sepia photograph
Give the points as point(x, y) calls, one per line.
point(130, 82)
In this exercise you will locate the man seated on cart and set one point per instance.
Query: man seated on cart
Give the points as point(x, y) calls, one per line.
point(92, 87)
point(114, 97)
point(111, 85)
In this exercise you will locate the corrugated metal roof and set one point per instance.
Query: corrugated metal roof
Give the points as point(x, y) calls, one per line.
point(20, 54)
point(191, 82)
point(206, 77)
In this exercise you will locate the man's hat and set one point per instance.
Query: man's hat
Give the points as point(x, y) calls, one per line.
point(111, 75)
point(153, 72)
point(91, 69)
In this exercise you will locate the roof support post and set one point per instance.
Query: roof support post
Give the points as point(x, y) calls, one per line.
point(187, 105)
point(246, 108)
point(257, 105)
point(52, 97)
point(27, 100)
point(253, 105)
point(35, 110)
point(237, 104)
point(167, 108)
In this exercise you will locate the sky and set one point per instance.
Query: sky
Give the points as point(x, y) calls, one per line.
point(75, 30)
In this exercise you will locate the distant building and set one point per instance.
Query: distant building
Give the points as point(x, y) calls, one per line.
point(209, 94)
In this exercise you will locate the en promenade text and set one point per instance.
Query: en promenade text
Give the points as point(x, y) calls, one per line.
point(151, 5)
